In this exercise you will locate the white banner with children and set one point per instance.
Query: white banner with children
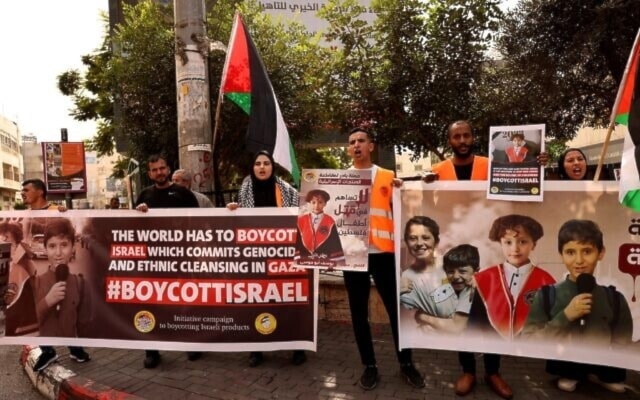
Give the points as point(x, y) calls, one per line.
point(552, 280)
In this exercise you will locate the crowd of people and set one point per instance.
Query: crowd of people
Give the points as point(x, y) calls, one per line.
point(451, 282)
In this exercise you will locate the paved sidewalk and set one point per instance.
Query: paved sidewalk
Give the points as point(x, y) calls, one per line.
point(331, 373)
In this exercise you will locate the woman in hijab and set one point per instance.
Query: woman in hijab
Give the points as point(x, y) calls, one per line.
point(263, 189)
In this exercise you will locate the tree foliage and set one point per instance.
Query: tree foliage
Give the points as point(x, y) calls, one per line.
point(412, 72)
point(562, 63)
point(420, 66)
point(136, 67)
point(140, 74)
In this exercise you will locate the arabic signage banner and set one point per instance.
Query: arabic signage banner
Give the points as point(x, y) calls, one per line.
point(514, 172)
point(306, 12)
point(333, 225)
point(475, 311)
point(65, 168)
point(201, 279)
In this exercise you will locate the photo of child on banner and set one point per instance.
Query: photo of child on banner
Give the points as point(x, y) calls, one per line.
point(514, 173)
point(333, 225)
point(19, 305)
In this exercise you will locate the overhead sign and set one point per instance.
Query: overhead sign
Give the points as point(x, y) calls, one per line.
point(64, 166)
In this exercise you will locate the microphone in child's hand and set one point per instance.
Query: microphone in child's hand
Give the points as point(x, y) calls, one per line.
point(585, 283)
point(62, 273)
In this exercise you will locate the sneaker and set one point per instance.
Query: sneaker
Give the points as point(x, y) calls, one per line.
point(152, 359)
point(369, 378)
point(411, 375)
point(298, 357)
point(255, 358)
point(567, 385)
point(46, 358)
point(194, 355)
point(79, 355)
point(615, 387)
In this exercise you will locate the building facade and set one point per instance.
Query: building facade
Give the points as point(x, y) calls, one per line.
point(11, 156)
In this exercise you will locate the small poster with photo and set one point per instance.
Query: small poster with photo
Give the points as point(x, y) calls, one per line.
point(333, 224)
point(514, 172)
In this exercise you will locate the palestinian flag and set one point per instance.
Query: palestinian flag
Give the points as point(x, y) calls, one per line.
point(246, 83)
point(626, 111)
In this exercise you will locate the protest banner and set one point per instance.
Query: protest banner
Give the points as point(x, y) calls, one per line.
point(526, 326)
point(196, 279)
point(333, 225)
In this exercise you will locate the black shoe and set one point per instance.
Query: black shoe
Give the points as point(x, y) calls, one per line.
point(46, 358)
point(79, 355)
point(369, 378)
point(255, 358)
point(298, 357)
point(194, 355)
point(152, 359)
point(411, 375)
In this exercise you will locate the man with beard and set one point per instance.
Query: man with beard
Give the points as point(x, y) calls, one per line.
point(163, 194)
point(464, 165)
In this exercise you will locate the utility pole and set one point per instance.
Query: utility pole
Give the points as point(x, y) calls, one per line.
point(192, 83)
point(68, 199)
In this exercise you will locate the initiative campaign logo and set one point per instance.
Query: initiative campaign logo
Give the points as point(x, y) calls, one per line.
point(144, 321)
point(309, 176)
point(266, 323)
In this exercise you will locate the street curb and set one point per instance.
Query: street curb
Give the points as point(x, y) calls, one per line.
point(59, 383)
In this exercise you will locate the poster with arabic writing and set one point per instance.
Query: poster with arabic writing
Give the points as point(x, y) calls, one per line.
point(333, 224)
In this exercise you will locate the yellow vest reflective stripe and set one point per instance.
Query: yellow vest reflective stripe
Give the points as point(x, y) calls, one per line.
point(382, 234)
point(380, 215)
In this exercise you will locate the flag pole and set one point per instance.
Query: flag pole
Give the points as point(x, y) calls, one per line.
point(221, 91)
point(219, 196)
point(605, 146)
point(614, 110)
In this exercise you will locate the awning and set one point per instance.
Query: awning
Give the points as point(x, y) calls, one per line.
point(612, 156)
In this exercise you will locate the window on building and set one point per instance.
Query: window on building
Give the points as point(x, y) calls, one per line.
point(7, 171)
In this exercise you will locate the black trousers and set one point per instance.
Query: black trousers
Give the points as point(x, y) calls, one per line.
point(578, 371)
point(358, 285)
point(50, 349)
point(468, 362)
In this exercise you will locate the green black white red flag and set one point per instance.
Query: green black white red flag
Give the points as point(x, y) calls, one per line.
point(626, 111)
point(246, 83)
